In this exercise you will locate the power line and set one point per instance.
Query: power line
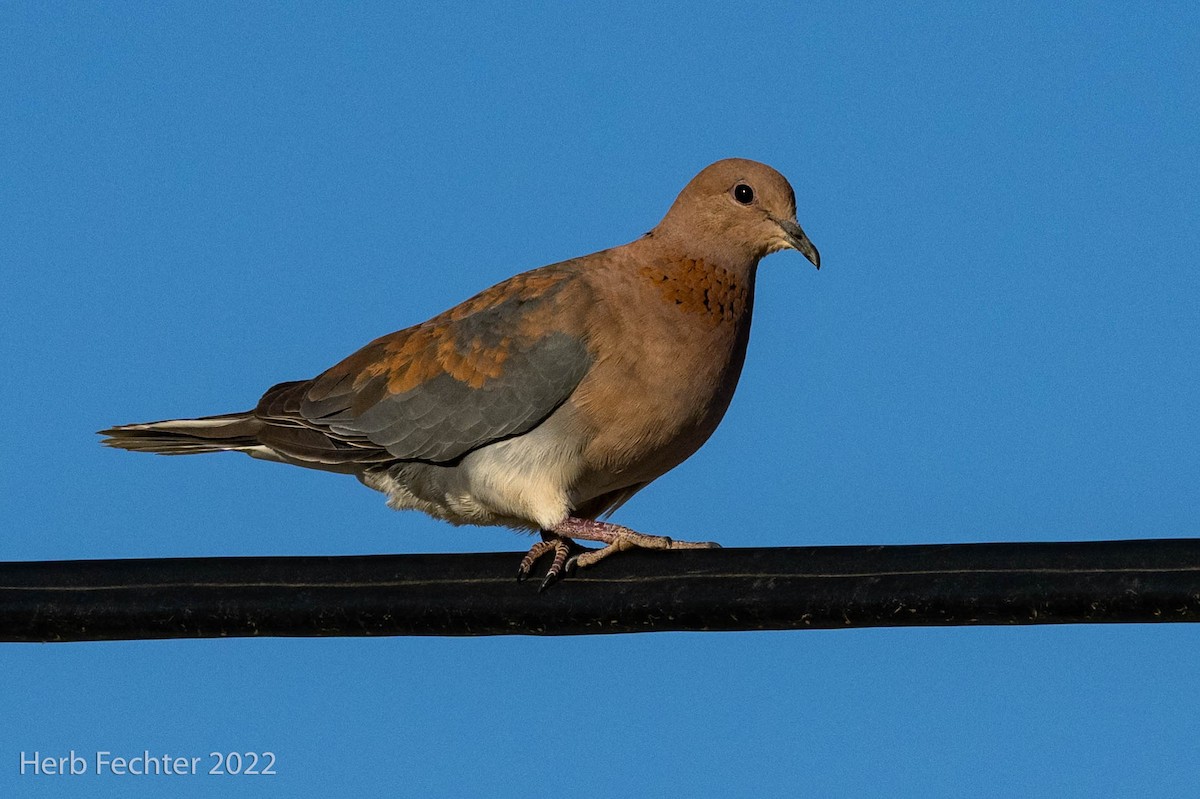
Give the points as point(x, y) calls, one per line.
point(725, 589)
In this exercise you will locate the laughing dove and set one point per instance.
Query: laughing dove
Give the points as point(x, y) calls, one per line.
point(549, 399)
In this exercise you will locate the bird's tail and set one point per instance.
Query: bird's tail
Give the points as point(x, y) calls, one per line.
point(231, 431)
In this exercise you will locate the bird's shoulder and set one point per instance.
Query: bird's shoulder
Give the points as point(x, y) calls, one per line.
point(473, 341)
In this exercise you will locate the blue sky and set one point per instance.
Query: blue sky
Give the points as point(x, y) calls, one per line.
point(202, 200)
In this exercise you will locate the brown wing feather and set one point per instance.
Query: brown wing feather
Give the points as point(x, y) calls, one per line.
point(493, 367)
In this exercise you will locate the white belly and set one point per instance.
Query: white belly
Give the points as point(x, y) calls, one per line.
point(523, 482)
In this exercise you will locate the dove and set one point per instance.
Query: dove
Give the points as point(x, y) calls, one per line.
point(546, 401)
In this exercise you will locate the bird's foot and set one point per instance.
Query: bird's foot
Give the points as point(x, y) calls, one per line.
point(560, 546)
point(616, 539)
point(569, 556)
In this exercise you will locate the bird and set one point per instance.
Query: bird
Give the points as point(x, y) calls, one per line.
point(544, 402)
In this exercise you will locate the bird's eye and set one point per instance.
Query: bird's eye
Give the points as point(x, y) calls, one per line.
point(743, 194)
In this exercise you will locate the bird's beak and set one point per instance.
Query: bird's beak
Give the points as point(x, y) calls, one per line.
point(796, 239)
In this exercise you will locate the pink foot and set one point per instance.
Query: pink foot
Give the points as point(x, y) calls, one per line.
point(560, 546)
point(616, 539)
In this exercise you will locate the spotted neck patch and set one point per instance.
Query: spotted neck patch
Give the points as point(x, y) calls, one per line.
point(695, 287)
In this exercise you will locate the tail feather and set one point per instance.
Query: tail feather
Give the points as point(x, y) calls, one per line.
point(231, 431)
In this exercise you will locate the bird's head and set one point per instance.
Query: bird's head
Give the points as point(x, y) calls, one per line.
point(737, 210)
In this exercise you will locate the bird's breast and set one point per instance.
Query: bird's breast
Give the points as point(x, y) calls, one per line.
point(667, 363)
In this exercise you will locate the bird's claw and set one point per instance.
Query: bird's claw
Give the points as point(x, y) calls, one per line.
point(552, 577)
point(561, 547)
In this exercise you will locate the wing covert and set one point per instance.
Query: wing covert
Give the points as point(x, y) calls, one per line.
point(491, 368)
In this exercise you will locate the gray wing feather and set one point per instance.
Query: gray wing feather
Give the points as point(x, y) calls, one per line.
point(443, 419)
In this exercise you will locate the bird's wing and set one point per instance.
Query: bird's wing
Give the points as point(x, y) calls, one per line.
point(488, 369)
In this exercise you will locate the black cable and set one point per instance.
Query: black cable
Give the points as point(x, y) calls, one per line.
point(724, 589)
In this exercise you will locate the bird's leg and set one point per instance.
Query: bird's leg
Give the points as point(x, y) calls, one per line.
point(616, 539)
point(561, 547)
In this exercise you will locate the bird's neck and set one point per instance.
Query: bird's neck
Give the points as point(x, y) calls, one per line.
point(711, 292)
point(717, 250)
